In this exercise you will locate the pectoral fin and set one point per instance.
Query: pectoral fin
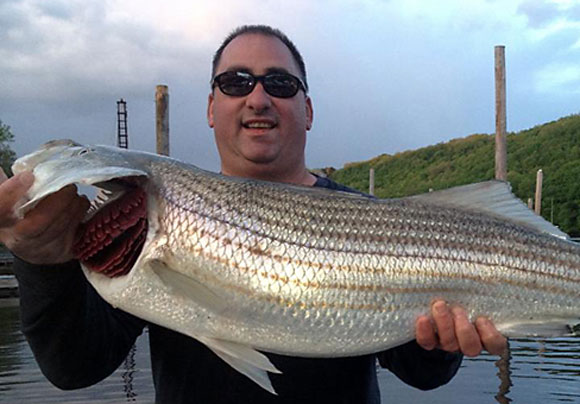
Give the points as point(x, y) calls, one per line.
point(244, 359)
point(188, 287)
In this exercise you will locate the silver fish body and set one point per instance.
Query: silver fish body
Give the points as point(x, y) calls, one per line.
point(244, 265)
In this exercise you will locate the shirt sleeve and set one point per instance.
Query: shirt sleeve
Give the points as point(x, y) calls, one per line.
point(77, 338)
point(420, 368)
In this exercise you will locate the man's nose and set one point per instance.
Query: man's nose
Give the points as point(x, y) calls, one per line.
point(258, 99)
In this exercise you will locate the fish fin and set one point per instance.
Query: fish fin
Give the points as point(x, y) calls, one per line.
point(495, 198)
point(557, 327)
point(188, 287)
point(242, 352)
point(245, 360)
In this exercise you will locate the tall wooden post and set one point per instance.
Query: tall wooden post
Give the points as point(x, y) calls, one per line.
point(162, 119)
point(500, 115)
point(372, 181)
point(539, 180)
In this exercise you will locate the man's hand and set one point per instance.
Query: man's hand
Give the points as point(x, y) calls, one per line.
point(449, 329)
point(46, 234)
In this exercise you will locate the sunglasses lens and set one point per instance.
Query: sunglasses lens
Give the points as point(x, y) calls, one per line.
point(236, 84)
point(281, 85)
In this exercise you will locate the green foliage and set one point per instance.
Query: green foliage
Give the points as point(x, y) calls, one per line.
point(554, 147)
point(7, 156)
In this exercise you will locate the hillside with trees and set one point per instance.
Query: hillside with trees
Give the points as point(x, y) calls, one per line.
point(7, 155)
point(553, 147)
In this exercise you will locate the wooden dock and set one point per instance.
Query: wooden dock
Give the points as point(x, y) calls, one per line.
point(6, 261)
point(8, 282)
point(8, 286)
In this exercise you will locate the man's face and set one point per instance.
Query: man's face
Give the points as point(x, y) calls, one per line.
point(259, 135)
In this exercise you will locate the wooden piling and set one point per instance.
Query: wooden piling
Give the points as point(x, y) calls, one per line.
point(372, 181)
point(538, 203)
point(500, 115)
point(162, 119)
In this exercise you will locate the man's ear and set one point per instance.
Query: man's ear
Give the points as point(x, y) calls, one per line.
point(309, 113)
point(210, 110)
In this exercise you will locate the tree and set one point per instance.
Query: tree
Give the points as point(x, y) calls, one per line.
point(7, 155)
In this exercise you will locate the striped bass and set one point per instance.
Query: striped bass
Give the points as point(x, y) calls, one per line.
point(244, 265)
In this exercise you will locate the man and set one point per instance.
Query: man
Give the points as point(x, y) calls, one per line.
point(260, 112)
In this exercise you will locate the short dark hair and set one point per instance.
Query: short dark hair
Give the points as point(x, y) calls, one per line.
point(262, 30)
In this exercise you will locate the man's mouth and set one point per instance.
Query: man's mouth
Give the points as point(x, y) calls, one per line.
point(259, 124)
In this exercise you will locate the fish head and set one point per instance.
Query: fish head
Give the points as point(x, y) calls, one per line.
point(63, 162)
point(111, 237)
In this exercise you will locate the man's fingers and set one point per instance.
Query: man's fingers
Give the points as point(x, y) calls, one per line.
point(67, 228)
point(445, 326)
point(39, 219)
point(47, 232)
point(453, 332)
point(12, 190)
point(52, 243)
point(425, 334)
point(492, 340)
point(80, 210)
point(466, 334)
point(64, 221)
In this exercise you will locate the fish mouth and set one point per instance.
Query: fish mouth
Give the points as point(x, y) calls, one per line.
point(111, 238)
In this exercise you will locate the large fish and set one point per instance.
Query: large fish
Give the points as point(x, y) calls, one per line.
point(244, 265)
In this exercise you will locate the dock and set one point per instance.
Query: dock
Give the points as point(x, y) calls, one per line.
point(8, 282)
point(8, 286)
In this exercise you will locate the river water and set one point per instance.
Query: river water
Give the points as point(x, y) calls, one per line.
point(535, 372)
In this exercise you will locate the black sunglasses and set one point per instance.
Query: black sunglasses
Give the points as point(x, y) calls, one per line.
point(238, 84)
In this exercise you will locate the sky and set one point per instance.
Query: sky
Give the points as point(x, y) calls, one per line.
point(385, 76)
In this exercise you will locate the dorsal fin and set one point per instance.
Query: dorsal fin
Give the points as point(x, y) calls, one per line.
point(494, 198)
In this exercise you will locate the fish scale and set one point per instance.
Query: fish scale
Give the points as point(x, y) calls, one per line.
point(244, 265)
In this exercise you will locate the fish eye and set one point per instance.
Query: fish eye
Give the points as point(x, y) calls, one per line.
point(83, 151)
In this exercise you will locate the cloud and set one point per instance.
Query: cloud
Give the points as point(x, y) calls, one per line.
point(79, 49)
point(539, 13)
point(548, 18)
point(559, 78)
point(385, 76)
point(553, 46)
point(56, 9)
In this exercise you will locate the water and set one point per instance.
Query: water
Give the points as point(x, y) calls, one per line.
point(21, 381)
point(536, 372)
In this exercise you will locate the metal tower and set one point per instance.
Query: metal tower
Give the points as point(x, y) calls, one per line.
point(122, 135)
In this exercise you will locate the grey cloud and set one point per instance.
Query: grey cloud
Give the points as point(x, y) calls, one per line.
point(22, 34)
point(10, 15)
point(49, 61)
point(540, 12)
point(56, 9)
point(14, 25)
